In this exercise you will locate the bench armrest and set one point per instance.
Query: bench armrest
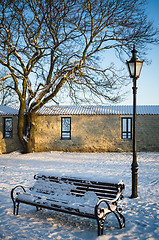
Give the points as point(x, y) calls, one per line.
point(15, 191)
point(101, 210)
point(111, 205)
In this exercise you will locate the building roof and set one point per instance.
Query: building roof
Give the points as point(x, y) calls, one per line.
point(87, 110)
point(8, 110)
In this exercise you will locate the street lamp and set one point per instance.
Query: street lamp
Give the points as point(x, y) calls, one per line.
point(134, 67)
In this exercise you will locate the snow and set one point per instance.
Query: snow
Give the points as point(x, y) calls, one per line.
point(142, 213)
point(86, 110)
point(59, 193)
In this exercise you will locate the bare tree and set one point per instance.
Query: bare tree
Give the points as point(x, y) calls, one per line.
point(7, 95)
point(49, 45)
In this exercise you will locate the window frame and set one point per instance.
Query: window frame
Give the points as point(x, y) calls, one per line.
point(63, 131)
point(10, 133)
point(127, 132)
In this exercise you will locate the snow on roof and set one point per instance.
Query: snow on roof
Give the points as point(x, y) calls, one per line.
point(9, 110)
point(98, 110)
point(87, 110)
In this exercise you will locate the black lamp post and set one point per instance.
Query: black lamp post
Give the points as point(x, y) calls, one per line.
point(134, 67)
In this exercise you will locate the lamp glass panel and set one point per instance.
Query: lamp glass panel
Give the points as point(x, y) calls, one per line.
point(138, 68)
point(132, 69)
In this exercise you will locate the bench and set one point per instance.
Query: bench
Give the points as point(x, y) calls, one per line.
point(90, 199)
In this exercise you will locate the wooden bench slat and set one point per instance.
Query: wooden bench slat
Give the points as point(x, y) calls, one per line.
point(74, 180)
point(114, 191)
point(98, 193)
point(96, 186)
point(108, 197)
point(81, 192)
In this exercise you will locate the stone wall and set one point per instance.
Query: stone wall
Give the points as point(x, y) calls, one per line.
point(96, 133)
point(9, 144)
point(89, 133)
point(148, 133)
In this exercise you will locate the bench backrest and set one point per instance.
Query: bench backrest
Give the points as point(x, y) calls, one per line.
point(77, 187)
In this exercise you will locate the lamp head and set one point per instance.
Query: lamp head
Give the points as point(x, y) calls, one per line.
point(134, 65)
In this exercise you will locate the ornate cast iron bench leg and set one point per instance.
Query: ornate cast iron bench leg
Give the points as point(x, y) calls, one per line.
point(100, 222)
point(120, 218)
point(14, 192)
point(101, 215)
point(16, 208)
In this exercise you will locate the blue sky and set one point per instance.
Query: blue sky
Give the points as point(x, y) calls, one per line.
point(148, 83)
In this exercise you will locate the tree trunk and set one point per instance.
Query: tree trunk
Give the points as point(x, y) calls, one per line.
point(20, 127)
point(31, 129)
point(26, 124)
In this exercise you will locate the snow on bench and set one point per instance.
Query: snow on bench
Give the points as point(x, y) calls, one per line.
point(81, 197)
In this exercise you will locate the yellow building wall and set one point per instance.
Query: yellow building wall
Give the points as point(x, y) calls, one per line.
point(9, 144)
point(89, 133)
point(95, 133)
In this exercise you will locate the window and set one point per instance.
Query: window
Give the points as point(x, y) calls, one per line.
point(126, 128)
point(8, 127)
point(65, 128)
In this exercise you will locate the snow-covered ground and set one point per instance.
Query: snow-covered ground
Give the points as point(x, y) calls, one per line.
point(142, 214)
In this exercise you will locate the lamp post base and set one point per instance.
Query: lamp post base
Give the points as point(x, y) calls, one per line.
point(133, 196)
point(134, 169)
